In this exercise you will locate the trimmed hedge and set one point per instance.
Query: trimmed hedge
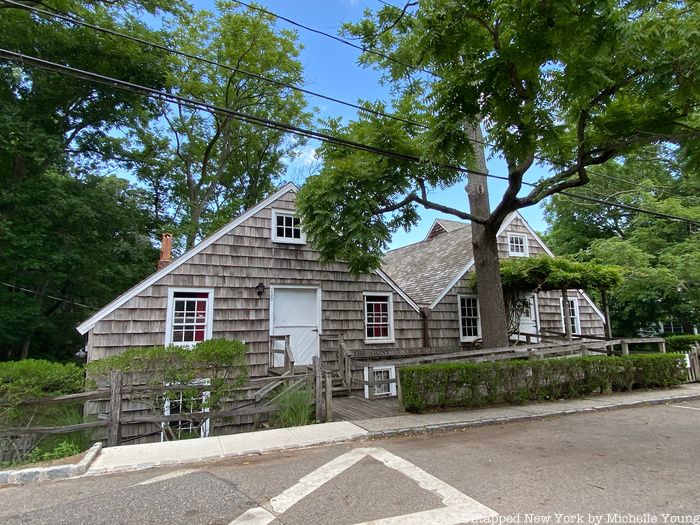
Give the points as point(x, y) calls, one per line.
point(471, 385)
point(681, 343)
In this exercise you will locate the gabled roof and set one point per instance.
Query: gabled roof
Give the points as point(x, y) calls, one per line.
point(85, 326)
point(424, 269)
point(428, 270)
point(443, 226)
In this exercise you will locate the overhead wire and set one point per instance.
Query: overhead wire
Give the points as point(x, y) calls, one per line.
point(61, 16)
point(27, 290)
point(72, 20)
point(280, 126)
point(337, 38)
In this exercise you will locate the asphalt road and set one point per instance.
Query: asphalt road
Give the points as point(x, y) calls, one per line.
point(636, 465)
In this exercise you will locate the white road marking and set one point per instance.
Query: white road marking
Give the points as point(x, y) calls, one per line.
point(316, 479)
point(170, 475)
point(687, 408)
point(459, 508)
point(441, 516)
point(255, 516)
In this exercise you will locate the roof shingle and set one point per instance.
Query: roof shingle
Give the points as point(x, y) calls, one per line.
point(424, 269)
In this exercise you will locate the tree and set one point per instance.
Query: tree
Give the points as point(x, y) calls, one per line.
point(66, 245)
point(68, 237)
point(212, 166)
point(576, 84)
point(44, 115)
point(659, 256)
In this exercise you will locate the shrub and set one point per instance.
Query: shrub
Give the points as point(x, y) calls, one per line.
point(37, 378)
point(681, 343)
point(471, 385)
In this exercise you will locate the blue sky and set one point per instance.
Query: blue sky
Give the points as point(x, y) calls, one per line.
point(331, 68)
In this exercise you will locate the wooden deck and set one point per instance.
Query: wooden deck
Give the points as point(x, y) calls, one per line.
point(354, 407)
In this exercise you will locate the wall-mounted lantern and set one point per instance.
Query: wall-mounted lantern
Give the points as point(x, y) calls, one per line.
point(260, 289)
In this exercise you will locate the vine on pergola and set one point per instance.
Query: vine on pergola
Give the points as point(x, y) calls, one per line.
point(543, 273)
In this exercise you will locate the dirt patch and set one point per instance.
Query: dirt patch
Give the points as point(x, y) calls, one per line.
point(68, 460)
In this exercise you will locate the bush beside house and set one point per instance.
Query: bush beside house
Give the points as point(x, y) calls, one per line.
point(473, 385)
point(681, 343)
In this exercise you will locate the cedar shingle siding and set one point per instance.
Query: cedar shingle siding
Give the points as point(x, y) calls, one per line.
point(233, 266)
point(235, 263)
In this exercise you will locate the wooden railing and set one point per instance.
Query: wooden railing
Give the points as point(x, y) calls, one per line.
point(581, 346)
point(286, 351)
point(117, 392)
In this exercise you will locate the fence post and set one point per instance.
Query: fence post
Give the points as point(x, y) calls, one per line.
point(399, 394)
point(329, 397)
point(662, 347)
point(318, 388)
point(625, 347)
point(370, 382)
point(115, 409)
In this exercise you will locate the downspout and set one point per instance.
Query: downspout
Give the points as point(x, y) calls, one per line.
point(425, 315)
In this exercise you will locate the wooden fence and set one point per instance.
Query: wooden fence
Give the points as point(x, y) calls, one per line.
point(347, 362)
point(118, 392)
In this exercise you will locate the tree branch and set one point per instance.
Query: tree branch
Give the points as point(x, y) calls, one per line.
point(423, 200)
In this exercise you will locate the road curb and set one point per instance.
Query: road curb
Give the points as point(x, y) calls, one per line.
point(458, 425)
point(29, 475)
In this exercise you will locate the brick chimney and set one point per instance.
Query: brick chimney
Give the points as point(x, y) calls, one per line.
point(166, 247)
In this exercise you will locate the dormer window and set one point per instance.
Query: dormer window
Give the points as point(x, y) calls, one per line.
point(286, 228)
point(517, 245)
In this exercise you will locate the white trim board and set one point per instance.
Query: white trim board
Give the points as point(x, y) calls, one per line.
point(388, 280)
point(507, 222)
point(85, 326)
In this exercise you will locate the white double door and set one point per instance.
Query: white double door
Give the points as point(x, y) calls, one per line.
point(296, 311)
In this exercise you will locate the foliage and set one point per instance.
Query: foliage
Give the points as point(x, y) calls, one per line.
point(63, 449)
point(681, 343)
point(563, 85)
point(577, 85)
point(473, 385)
point(204, 168)
point(546, 273)
point(296, 408)
point(221, 361)
point(64, 231)
point(78, 242)
point(35, 378)
point(46, 115)
point(659, 257)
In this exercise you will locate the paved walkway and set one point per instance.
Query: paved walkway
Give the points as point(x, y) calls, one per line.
point(134, 457)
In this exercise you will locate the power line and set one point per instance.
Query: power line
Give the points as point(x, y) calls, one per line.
point(279, 126)
point(49, 296)
point(211, 108)
point(75, 21)
point(78, 22)
point(338, 39)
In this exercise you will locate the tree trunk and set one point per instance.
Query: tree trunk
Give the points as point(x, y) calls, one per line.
point(494, 324)
point(24, 353)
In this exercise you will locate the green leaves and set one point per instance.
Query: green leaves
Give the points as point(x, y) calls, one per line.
point(472, 385)
point(545, 273)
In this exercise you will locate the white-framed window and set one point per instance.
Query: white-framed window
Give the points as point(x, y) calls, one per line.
point(190, 316)
point(179, 403)
point(570, 315)
point(517, 245)
point(381, 373)
point(469, 318)
point(379, 317)
point(286, 228)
